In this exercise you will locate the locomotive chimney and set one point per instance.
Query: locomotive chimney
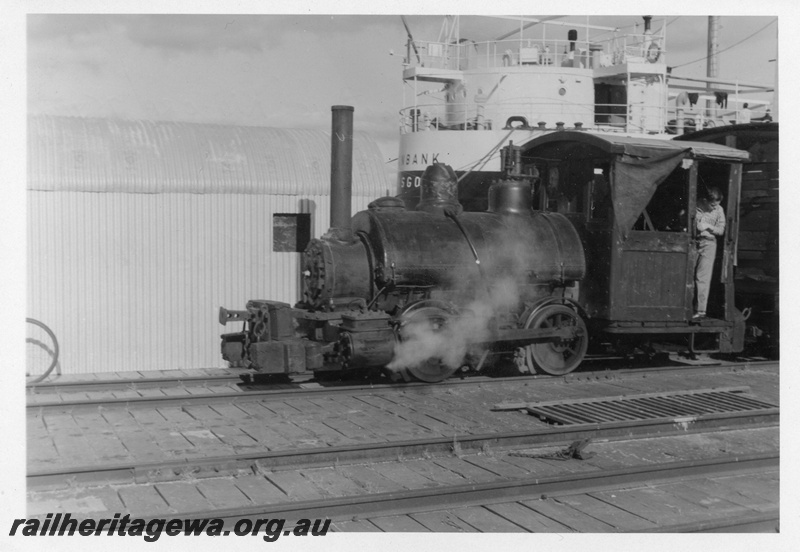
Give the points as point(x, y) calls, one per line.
point(341, 171)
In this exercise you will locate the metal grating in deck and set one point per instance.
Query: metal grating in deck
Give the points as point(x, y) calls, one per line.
point(651, 406)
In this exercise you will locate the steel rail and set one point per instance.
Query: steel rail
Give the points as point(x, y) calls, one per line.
point(137, 472)
point(282, 394)
point(480, 494)
point(139, 383)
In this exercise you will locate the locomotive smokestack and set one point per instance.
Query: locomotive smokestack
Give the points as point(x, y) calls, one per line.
point(341, 170)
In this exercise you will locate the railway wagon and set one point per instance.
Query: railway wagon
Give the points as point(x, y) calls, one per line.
point(588, 238)
point(757, 271)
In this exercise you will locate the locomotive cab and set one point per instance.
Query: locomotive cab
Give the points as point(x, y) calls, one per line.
point(633, 202)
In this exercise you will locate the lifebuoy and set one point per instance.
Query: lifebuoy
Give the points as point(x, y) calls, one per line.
point(653, 52)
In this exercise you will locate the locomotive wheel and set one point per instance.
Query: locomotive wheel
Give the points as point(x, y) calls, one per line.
point(428, 319)
point(557, 357)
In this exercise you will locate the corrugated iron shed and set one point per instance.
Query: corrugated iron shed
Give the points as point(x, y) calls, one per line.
point(107, 155)
point(138, 232)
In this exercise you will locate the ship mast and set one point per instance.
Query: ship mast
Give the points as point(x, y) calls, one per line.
point(712, 65)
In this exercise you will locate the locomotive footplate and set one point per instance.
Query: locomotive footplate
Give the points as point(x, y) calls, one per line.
point(707, 325)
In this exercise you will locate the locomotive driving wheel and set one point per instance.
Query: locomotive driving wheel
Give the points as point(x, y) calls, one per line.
point(423, 329)
point(562, 356)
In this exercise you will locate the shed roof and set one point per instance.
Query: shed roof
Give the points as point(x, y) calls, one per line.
point(108, 155)
point(636, 146)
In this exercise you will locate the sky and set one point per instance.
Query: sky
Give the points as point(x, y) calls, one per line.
point(287, 70)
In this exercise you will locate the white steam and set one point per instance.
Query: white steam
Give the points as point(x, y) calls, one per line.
point(450, 342)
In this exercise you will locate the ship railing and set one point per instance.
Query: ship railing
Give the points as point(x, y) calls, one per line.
point(532, 115)
point(467, 54)
point(698, 117)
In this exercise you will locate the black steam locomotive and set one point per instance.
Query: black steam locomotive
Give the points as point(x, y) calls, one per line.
point(584, 239)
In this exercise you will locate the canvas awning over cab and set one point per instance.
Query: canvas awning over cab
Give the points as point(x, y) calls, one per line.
point(640, 164)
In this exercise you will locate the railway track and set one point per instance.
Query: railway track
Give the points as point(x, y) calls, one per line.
point(423, 457)
point(663, 496)
point(521, 492)
point(83, 386)
point(170, 469)
point(198, 392)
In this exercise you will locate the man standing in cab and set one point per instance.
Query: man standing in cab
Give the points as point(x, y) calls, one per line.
point(710, 224)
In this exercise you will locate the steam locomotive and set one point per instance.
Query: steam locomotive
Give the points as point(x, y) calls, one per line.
point(583, 239)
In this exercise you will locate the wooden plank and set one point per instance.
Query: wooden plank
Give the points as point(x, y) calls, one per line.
point(280, 408)
point(295, 486)
point(330, 405)
point(142, 501)
point(63, 424)
point(432, 405)
point(170, 441)
point(434, 474)
point(369, 479)
point(75, 448)
point(332, 482)
point(99, 502)
point(443, 522)
point(722, 489)
point(379, 421)
point(223, 493)
point(259, 490)
point(404, 474)
point(528, 519)
point(476, 412)
point(616, 517)
point(426, 423)
point(470, 472)
point(765, 486)
point(139, 443)
point(486, 521)
point(40, 448)
point(352, 431)
point(720, 507)
point(326, 434)
point(569, 516)
point(202, 413)
point(265, 437)
point(496, 465)
point(174, 392)
point(107, 446)
point(398, 524)
point(536, 466)
point(236, 438)
point(307, 408)
point(652, 504)
point(183, 497)
point(360, 526)
point(295, 434)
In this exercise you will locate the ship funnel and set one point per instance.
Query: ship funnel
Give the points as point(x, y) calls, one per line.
point(572, 36)
point(341, 171)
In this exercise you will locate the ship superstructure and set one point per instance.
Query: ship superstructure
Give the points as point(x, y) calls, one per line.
point(470, 98)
